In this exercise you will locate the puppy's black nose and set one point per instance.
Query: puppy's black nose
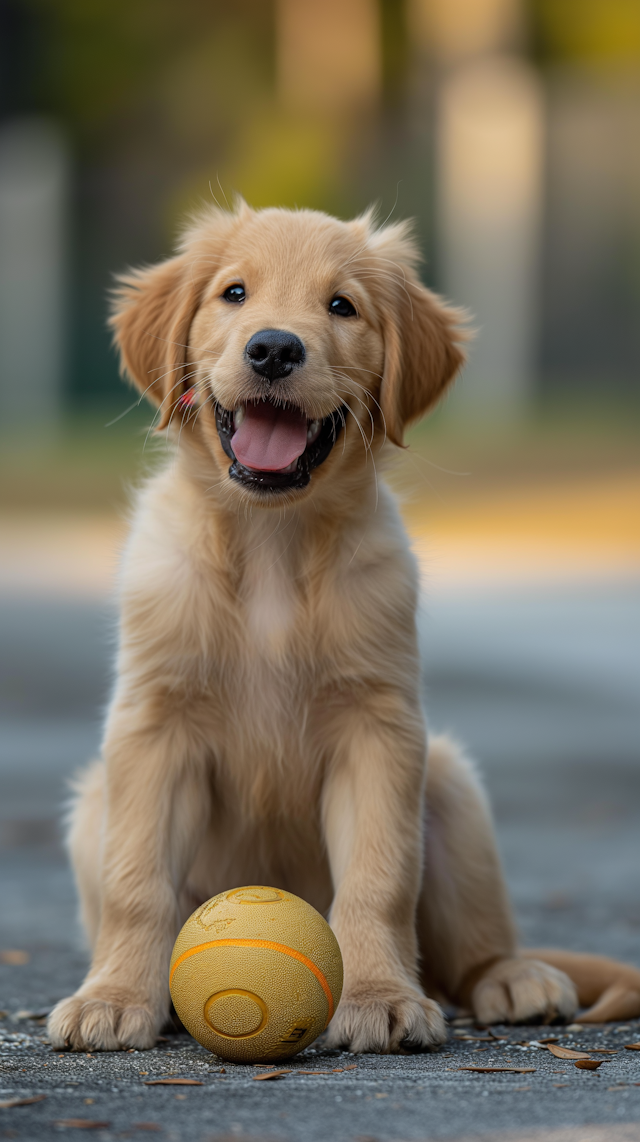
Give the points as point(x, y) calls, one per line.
point(274, 352)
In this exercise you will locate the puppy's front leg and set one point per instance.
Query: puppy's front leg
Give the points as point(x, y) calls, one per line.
point(373, 828)
point(156, 810)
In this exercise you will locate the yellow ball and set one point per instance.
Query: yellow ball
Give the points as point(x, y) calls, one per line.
point(256, 974)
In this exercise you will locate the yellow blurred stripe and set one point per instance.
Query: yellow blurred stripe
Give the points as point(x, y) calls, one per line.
point(582, 528)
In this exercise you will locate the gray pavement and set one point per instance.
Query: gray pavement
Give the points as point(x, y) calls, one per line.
point(542, 685)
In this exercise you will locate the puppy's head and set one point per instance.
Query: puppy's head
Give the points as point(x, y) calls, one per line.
point(273, 335)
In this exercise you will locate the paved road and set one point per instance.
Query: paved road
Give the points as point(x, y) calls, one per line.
point(543, 686)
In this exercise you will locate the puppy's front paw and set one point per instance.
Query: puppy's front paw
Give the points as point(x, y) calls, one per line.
point(91, 1022)
point(385, 1018)
point(523, 991)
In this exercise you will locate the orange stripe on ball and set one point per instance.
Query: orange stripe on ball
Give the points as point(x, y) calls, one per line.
point(261, 944)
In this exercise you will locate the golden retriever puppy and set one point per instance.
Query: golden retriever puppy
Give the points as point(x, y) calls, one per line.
point(266, 724)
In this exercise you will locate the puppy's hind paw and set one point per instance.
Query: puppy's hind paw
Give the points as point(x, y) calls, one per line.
point(523, 991)
point(386, 1019)
point(85, 1023)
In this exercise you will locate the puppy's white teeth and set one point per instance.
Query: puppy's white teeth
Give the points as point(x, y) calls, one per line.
point(313, 430)
point(238, 417)
point(290, 467)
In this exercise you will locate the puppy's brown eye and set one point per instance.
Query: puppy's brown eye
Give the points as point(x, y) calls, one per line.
point(342, 307)
point(234, 293)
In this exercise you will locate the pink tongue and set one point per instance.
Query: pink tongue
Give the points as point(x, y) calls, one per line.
point(270, 438)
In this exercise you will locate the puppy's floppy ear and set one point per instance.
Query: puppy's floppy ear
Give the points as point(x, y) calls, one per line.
point(151, 317)
point(422, 336)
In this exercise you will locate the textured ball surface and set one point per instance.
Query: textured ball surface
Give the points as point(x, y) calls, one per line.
point(256, 974)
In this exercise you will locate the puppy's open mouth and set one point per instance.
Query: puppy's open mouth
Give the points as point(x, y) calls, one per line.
point(275, 446)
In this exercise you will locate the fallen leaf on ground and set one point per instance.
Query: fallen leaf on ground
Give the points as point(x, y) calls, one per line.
point(632, 1046)
point(82, 1123)
point(548, 1039)
point(566, 1052)
point(7, 1103)
point(146, 1126)
point(13, 956)
point(476, 1038)
point(519, 1088)
point(173, 1082)
point(603, 1050)
point(271, 1075)
point(588, 1064)
point(559, 1084)
point(511, 1070)
point(621, 1086)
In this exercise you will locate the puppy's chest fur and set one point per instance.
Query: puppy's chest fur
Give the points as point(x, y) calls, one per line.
point(270, 602)
point(271, 684)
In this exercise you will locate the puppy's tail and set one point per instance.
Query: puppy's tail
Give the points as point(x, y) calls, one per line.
point(609, 990)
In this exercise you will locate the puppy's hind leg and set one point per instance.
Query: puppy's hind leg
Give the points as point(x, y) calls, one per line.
point(84, 843)
point(465, 927)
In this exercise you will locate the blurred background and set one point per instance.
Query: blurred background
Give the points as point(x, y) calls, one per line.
point(510, 131)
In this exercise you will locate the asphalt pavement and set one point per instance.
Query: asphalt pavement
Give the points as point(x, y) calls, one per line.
point(542, 685)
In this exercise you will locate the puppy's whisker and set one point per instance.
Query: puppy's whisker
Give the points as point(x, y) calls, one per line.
point(223, 193)
point(176, 406)
point(367, 393)
point(195, 365)
point(368, 411)
point(158, 411)
point(364, 405)
point(367, 442)
point(344, 434)
point(367, 448)
point(357, 369)
point(136, 404)
point(149, 386)
point(213, 196)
